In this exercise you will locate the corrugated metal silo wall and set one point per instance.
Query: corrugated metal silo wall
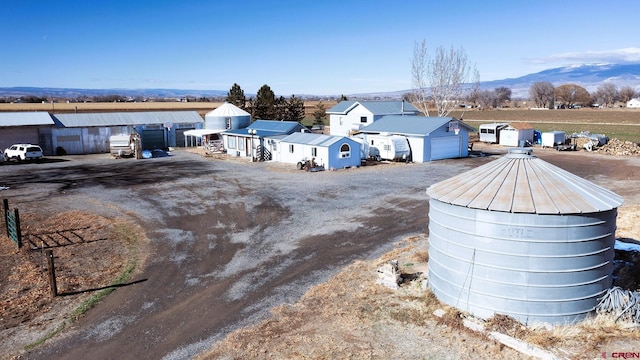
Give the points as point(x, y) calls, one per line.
point(534, 268)
point(220, 122)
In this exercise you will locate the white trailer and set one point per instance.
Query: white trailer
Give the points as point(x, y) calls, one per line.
point(385, 147)
point(490, 133)
point(553, 138)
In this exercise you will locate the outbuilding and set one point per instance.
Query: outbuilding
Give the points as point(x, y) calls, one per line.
point(517, 134)
point(26, 128)
point(521, 237)
point(490, 133)
point(328, 151)
point(88, 133)
point(429, 138)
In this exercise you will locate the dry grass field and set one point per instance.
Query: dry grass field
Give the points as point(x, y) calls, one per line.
point(620, 123)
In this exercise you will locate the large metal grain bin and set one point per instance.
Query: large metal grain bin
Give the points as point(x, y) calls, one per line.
point(227, 117)
point(521, 237)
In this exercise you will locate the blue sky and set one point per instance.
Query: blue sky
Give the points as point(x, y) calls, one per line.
point(299, 46)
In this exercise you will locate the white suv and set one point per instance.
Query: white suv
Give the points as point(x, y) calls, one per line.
point(23, 152)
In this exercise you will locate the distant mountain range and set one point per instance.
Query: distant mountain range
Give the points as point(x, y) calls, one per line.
point(589, 76)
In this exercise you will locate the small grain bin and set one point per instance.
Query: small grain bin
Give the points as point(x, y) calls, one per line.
point(521, 237)
point(227, 117)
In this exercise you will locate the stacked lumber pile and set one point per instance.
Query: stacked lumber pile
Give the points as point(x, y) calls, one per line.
point(619, 148)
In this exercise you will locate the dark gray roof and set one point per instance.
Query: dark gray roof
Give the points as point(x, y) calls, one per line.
point(25, 118)
point(411, 124)
point(521, 183)
point(128, 118)
point(376, 107)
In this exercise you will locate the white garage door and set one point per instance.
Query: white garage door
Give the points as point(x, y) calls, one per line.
point(446, 147)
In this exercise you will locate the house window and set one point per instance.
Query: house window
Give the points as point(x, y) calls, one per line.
point(291, 148)
point(363, 119)
point(241, 143)
point(341, 121)
point(345, 151)
point(483, 131)
point(228, 119)
point(491, 131)
point(231, 142)
point(314, 151)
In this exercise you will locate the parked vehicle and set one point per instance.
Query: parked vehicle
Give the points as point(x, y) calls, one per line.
point(21, 152)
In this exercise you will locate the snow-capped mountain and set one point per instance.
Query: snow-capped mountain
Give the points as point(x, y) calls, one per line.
point(589, 76)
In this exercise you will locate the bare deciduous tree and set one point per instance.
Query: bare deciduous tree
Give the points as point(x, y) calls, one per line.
point(571, 94)
point(607, 94)
point(626, 93)
point(440, 79)
point(541, 93)
point(503, 94)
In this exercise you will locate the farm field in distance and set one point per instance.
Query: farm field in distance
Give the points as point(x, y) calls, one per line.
point(621, 123)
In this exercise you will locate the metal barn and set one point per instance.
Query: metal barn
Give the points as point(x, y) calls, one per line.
point(521, 237)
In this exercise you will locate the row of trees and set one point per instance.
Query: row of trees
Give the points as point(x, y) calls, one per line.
point(545, 95)
point(267, 107)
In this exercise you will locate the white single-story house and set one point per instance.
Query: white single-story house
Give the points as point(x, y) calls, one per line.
point(252, 141)
point(348, 117)
point(26, 127)
point(430, 138)
point(633, 103)
point(329, 151)
point(517, 134)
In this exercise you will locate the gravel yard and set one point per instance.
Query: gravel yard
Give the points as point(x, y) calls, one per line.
point(228, 240)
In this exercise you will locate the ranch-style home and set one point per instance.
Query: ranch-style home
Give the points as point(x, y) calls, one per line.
point(256, 141)
point(429, 138)
point(347, 117)
point(328, 151)
point(633, 103)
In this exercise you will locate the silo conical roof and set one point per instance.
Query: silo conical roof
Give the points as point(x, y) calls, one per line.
point(227, 109)
point(521, 183)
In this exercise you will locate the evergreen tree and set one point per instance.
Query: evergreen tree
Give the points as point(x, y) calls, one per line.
point(320, 114)
point(265, 104)
point(295, 109)
point(342, 98)
point(280, 109)
point(236, 96)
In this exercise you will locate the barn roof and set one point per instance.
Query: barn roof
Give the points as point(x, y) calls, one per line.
point(227, 109)
point(25, 118)
point(375, 107)
point(128, 118)
point(411, 125)
point(521, 183)
point(319, 140)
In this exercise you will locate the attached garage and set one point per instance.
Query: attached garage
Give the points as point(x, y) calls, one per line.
point(446, 147)
point(430, 138)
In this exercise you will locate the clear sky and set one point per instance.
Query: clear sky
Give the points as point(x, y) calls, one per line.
point(321, 47)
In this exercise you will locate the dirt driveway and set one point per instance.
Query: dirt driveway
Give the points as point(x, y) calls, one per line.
point(229, 240)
